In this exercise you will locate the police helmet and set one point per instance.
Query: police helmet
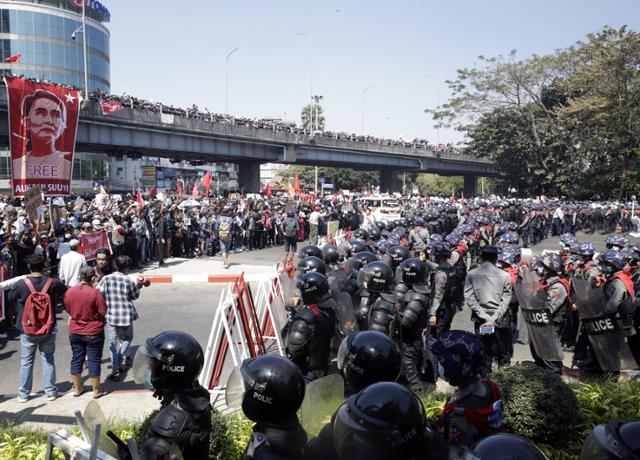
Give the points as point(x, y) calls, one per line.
point(418, 222)
point(461, 356)
point(397, 223)
point(510, 238)
point(269, 389)
point(376, 277)
point(313, 287)
point(368, 357)
point(398, 254)
point(374, 233)
point(170, 361)
point(505, 446)
point(414, 272)
point(361, 234)
point(586, 249)
point(553, 262)
point(356, 246)
point(311, 250)
point(364, 258)
point(383, 421)
point(330, 254)
point(441, 251)
point(615, 440)
point(311, 264)
point(381, 225)
point(506, 257)
point(612, 258)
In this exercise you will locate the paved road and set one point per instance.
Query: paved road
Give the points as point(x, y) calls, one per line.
point(188, 307)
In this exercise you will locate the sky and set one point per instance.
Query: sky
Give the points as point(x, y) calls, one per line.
point(175, 52)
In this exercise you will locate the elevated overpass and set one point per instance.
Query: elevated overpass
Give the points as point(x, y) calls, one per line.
point(137, 132)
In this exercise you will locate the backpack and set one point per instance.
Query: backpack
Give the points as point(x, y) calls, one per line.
point(224, 231)
point(289, 227)
point(39, 316)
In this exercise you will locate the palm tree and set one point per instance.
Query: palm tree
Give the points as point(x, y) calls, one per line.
point(309, 117)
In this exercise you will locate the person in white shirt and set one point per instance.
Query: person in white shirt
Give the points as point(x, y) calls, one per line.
point(70, 265)
point(369, 219)
point(314, 219)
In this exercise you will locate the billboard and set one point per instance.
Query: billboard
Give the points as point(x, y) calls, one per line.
point(149, 176)
point(43, 121)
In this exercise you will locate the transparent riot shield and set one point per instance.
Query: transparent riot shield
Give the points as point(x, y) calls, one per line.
point(321, 399)
point(541, 330)
point(605, 335)
point(345, 313)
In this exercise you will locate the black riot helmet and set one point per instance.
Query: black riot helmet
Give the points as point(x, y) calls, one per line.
point(170, 361)
point(362, 259)
point(374, 233)
point(330, 254)
point(398, 254)
point(617, 440)
point(368, 357)
point(361, 234)
point(313, 287)
point(268, 388)
point(383, 421)
point(381, 225)
point(414, 272)
point(505, 446)
point(376, 277)
point(311, 264)
point(311, 250)
point(356, 246)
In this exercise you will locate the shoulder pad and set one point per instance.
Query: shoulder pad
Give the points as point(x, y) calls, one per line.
point(305, 315)
point(388, 297)
point(382, 304)
point(170, 422)
point(412, 295)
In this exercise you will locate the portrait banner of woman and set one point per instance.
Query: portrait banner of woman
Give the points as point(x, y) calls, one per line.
point(43, 121)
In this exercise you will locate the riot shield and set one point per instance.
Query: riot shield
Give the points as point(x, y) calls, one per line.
point(542, 332)
point(93, 415)
point(321, 399)
point(605, 335)
point(345, 314)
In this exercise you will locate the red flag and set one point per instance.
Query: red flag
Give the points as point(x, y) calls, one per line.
point(195, 193)
point(290, 190)
point(206, 181)
point(91, 242)
point(267, 190)
point(179, 188)
point(453, 196)
point(139, 198)
point(109, 107)
point(153, 192)
point(296, 185)
point(14, 58)
point(462, 199)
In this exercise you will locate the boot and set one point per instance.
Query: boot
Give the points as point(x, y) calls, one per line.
point(78, 387)
point(97, 389)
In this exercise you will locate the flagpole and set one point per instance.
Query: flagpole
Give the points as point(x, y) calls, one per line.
point(84, 50)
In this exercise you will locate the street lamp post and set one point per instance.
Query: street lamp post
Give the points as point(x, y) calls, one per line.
point(364, 93)
point(83, 29)
point(226, 81)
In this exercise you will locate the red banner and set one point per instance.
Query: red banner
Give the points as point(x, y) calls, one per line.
point(43, 121)
point(91, 242)
point(109, 107)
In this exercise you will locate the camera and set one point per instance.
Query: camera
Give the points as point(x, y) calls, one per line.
point(73, 36)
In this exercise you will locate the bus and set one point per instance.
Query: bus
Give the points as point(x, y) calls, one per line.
point(382, 208)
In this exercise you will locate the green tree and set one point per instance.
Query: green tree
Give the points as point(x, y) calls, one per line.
point(432, 184)
point(603, 108)
point(309, 117)
point(341, 178)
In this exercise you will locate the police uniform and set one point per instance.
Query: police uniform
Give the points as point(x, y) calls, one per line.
point(556, 304)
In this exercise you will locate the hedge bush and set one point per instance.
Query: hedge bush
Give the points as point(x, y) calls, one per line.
point(591, 403)
point(537, 404)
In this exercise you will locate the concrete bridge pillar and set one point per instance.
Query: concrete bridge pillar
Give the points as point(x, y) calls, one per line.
point(249, 176)
point(387, 182)
point(470, 186)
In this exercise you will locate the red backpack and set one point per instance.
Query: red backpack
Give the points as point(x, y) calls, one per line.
point(39, 315)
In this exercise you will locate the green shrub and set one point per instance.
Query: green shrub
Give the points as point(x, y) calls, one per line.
point(538, 405)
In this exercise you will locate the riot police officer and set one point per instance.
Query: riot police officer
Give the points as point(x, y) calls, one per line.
point(442, 308)
point(308, 340)
point(380, 312)
point(385, 421)
point(475, 409)
point(615, 440)
point(557, 303)
point(311, 264)
point(269, 390)
point(505, 446)
point(397, 254)
point(413, 320)
point(365, 358)
point(169, 364)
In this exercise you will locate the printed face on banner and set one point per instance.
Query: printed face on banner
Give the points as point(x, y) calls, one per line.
point(43, 122)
